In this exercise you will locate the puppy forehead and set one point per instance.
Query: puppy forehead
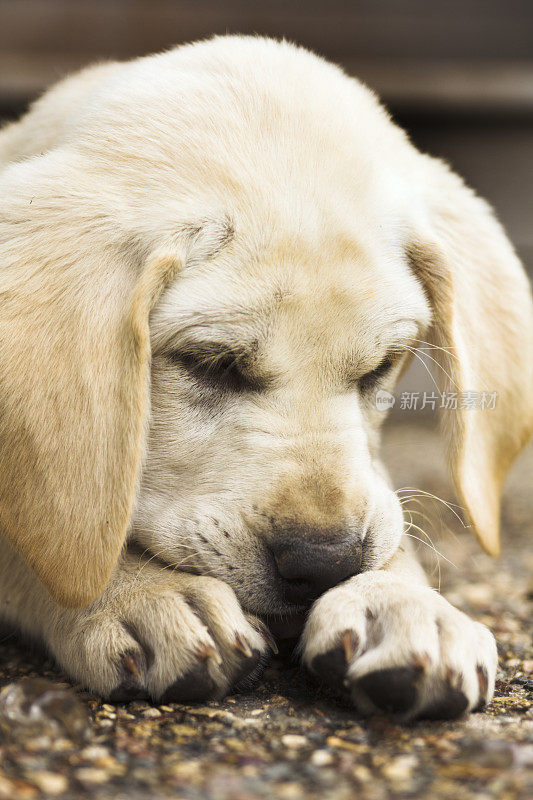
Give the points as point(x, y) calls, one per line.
point(244, 297)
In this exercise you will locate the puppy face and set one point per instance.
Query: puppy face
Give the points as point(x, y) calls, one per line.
point(262, 465)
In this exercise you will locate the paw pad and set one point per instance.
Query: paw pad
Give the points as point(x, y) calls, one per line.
point(196, 685)
point(451, 704)
point(393, 691)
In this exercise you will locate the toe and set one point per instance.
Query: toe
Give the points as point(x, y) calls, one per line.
point(331, 666)
point(132, 685)
point(451, 703)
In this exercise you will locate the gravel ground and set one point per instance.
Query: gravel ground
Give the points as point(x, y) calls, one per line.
point(290, 738)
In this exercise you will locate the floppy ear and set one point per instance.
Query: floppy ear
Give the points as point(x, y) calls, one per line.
point(483, 323)
point(74, 372)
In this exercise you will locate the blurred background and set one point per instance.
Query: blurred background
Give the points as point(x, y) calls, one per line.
point(457, 74)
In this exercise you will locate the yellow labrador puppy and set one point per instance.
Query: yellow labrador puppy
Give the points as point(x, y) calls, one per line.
point(210, 261)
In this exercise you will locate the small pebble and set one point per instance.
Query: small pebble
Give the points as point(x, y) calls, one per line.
point(399, 769)
point(7, 790)
point(152, 713)
point(94, 751)
point(322, 758)
point(290, 791)
point(361, 773)
point(186, 770)
point(92, 776)
point(50, 782)
point(293, 741)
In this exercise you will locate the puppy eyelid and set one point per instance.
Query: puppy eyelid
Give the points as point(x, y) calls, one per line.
point(372, 377)
point(215, 370)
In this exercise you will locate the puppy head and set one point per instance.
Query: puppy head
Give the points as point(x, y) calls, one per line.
point(259, 274)
point(262, 465)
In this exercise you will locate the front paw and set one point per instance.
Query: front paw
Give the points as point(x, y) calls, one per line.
point(162, 635)
point(399, 649)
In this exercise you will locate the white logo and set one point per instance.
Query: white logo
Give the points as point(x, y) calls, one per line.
point(384, 400)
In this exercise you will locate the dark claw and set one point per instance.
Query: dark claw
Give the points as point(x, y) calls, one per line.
point(148, 653)
point(269, 639)
point(393, 691)
point(483, 681)
point(349, 643)
point(421, 661)
point(263, 631)
point(132, 685)
point(242, 645)
point(454, 679)
point(207, 651)
point(131, 665)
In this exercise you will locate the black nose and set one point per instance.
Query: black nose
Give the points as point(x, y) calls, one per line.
point(311, 567)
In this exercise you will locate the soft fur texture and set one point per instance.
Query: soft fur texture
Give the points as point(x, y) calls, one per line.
point(210, 261)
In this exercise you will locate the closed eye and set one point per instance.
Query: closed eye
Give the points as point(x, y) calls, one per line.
point(370, 380)
point(215, 370)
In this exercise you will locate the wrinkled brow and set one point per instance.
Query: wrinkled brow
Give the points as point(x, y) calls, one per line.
point(207, 237)
point(399, 334)
point(397, 338)
point(238, 330)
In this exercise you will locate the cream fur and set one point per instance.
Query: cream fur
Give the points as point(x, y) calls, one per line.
point(243, 192)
